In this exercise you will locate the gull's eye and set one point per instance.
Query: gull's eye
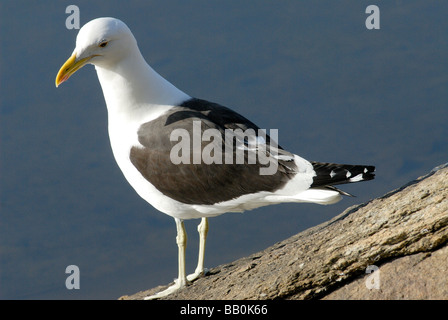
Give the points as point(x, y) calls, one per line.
point(103, 44)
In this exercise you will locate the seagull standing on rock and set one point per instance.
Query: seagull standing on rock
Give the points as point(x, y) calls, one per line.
point(190, 158)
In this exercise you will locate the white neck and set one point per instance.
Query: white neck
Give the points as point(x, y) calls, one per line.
point(132, 89)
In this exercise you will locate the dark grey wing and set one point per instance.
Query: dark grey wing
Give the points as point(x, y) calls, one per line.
point(229, 119)
point(203, 183)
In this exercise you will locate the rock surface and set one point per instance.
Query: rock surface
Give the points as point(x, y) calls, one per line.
point(403, 235)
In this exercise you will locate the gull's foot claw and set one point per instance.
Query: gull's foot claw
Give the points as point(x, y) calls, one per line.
point(197, 274)
point(176, 286)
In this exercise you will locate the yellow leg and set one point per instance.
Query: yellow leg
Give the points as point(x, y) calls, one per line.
point(203, 230)
point(181, 281)
point(181, 240)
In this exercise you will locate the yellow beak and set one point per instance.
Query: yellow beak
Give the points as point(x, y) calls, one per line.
point(70, 67)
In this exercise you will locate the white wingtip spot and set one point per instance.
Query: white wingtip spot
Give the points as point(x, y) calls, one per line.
point(332, 174)
point(348, 175)
point(357, 178)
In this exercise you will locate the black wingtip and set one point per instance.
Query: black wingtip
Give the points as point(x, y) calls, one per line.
point(330, 174)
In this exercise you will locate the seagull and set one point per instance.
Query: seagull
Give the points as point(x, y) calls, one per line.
point(191, 158)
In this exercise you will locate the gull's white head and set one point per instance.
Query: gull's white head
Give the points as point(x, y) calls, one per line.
point(101, 42)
